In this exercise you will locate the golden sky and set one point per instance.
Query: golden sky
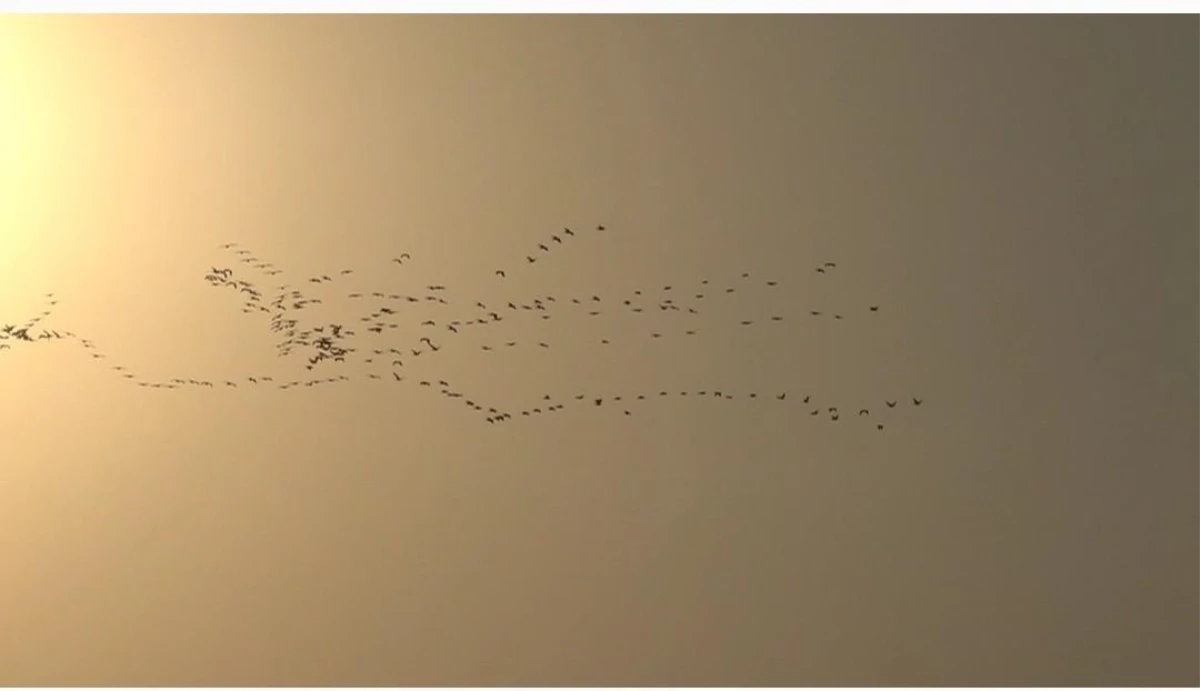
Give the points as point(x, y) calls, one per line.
point(1017, 196)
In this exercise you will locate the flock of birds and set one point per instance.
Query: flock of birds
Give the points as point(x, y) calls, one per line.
point(379, 336)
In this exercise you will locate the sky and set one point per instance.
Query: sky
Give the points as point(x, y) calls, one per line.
point(1017, 196)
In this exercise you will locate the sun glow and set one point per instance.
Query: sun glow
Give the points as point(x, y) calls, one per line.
point(24, 125)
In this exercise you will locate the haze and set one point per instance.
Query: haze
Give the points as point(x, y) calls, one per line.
point(1017, 195)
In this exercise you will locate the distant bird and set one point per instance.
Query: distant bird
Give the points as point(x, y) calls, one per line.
point(917, 401)
point(890, 404)
point(568, 231)
point(782, 396)
point(531, 259)
point(874, 308)
point(500, 273)
point(864, 411)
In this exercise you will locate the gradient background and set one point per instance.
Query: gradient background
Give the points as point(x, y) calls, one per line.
point(1019, 193)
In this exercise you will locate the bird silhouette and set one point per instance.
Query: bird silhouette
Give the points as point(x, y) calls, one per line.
point(331, 345)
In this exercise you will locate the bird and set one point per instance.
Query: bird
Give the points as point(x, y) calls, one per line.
point(890, 404)
point(917, 401)
point(874, 308)
point(500, 273)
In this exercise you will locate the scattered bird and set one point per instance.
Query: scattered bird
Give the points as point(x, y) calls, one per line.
point(334, 345)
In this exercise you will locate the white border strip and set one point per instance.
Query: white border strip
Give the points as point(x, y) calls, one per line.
point(605, 6)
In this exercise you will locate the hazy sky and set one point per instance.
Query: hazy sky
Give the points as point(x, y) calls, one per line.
point(1018, 195)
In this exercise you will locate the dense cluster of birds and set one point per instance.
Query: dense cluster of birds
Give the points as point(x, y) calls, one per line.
point(379, 336)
